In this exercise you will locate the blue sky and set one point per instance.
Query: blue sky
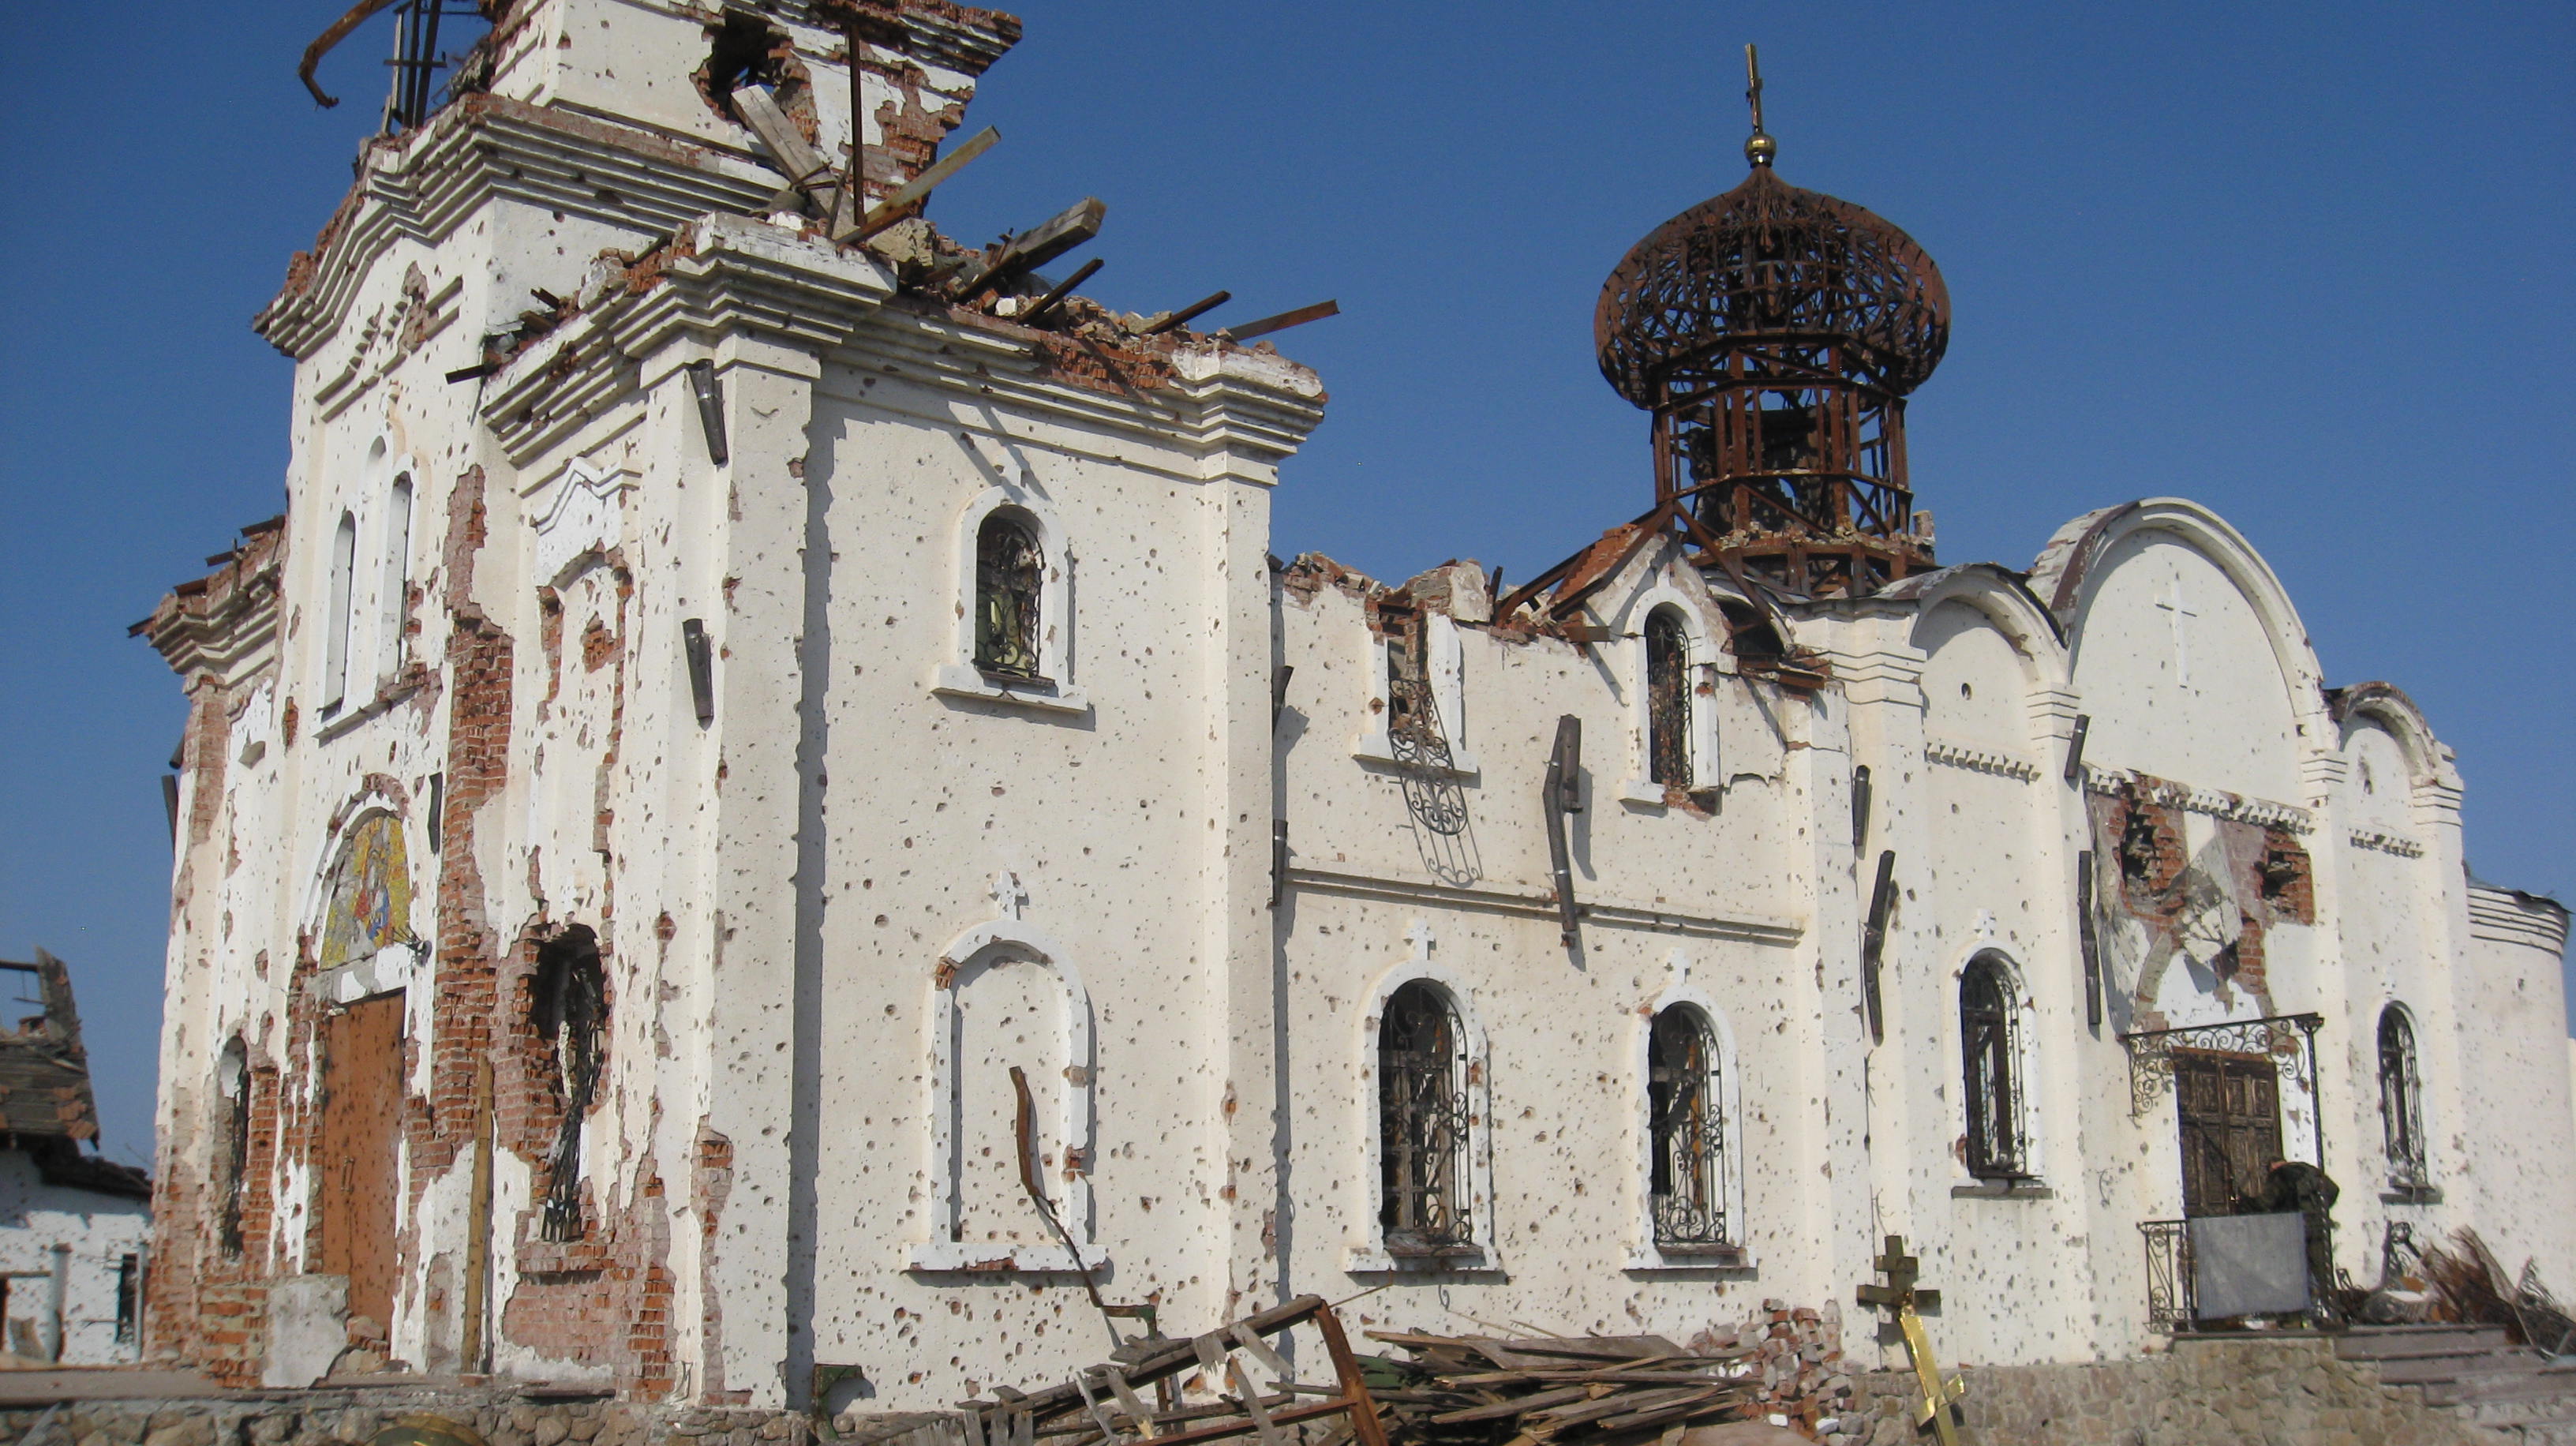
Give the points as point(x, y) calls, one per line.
point(2309, 264)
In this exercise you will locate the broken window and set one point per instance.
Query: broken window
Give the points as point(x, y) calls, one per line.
point(129, 1298)
point(2401, 1106)
point(335, 638)
point(1668, 698)
point(1422, 1123)
point(569, 1009)
point(1009, 568)
point(232, 1141)
point(1686, 1130)
point(1995, 1143)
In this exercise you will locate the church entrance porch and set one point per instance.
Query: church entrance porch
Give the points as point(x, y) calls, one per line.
point(2254, 1232)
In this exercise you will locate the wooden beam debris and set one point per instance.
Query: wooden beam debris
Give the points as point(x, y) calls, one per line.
point(1058, 293)
point(1281, 322)
point(1038, 245)
point(905, 200)
point(1172, 320)
point(804, 166)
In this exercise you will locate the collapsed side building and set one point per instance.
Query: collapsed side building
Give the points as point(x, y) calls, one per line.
point(741, 737)
point(74, 1226)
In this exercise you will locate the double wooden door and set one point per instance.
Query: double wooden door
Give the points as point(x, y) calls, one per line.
point(2229, 1106)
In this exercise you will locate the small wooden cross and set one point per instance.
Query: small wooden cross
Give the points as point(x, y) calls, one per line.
point(1900, 1296)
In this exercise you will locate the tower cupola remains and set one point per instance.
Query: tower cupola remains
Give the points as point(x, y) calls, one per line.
point(1774, 334)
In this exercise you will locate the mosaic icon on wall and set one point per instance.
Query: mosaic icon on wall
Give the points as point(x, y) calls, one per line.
point(370, 894)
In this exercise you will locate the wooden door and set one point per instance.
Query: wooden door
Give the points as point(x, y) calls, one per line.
point(358, 1170)
point(2229, 1107)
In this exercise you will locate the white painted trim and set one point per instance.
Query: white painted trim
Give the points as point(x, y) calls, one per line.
point(577, 517)
point(958, 676)
point(963, 961)
point(386, 971)
point(2025, 1055)
point(1643, 1254)
point(1640, 788)
point(1448, 694)
point(1372, 1257)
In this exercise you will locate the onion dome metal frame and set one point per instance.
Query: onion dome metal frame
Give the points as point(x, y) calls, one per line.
point(1774, 333)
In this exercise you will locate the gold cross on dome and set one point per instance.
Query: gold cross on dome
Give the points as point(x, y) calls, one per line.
point(1900, 1296)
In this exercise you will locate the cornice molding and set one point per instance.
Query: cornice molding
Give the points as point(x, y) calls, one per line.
point(488, 147)
point(2214, 802)
point(1980, 760)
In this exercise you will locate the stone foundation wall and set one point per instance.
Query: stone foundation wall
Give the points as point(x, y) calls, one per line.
point(2257, 1393)
point(349, 1418)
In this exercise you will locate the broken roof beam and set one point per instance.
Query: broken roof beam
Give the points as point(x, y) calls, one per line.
point(906, 199)
point(1061, 290)
point(804, 166)
point(1173, 320)
point(1038, 245)
point(1281, 322)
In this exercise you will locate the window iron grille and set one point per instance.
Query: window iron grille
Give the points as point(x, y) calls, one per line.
point(1413, 731)
point(1668, 699)
point(1687, 1132)
point(1996, 1148)
point(2401, 1105)
point(1422, 1105)
point(571, 1014)
point(1009, 570)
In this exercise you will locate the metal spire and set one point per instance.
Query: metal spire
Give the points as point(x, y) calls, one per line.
point(1759, 148)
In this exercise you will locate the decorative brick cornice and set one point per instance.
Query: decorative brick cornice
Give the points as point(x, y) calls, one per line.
point(487, 147)
point(2386, 843)
point(1980, 760)
point(2213, 802)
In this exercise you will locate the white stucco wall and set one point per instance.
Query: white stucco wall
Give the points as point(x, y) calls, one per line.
point(66, 1250)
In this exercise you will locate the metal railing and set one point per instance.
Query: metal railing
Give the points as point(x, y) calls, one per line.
point(2170, 1305)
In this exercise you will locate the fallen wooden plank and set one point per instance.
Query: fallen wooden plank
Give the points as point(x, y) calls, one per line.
point(900, 201)
point(1039, 245)
point(1518, 1405)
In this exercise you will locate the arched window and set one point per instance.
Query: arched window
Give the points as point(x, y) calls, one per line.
point(1996, 1148)
point(1422, 1124)
point(1009, 570)
point(2401, 1106)
point(568, 1007)
point(232, 1140)
point(397, 579)
point(335, 641)
point(1686, 1130)
point(1668, 699)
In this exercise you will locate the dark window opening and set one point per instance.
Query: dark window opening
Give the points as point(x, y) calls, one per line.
point(129, 1297)
point(1668, 699)
point(2138, 850)
point(1009, 568)
point(1687, 1130)
point(569, 1009)
point(232, 1143)
point(1422, 1120)
point(1995, 1145)
point(1750, 635)
point(2401, 1107)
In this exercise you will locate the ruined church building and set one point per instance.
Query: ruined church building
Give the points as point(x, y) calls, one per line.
point(727, 710)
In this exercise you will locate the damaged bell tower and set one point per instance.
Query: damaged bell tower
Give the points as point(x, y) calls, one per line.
point(1774, 334)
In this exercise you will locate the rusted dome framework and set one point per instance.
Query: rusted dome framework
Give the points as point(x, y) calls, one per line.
point(1774, 333)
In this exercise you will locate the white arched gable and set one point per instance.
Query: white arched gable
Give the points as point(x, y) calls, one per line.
point(957, 675)
point(1644, 1254)
point(2065, 575)
point(1372, 1256)
point(961, 963)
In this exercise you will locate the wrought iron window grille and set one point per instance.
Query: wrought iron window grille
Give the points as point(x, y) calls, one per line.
point(1998, 1147)
point(2282, 1036)
point(1413, 729)
point(2401, 1105)
point(1668, 700)
point(1686, 1129)
point(1422, 1125)
point(1010, 571)
point(571, 1013)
